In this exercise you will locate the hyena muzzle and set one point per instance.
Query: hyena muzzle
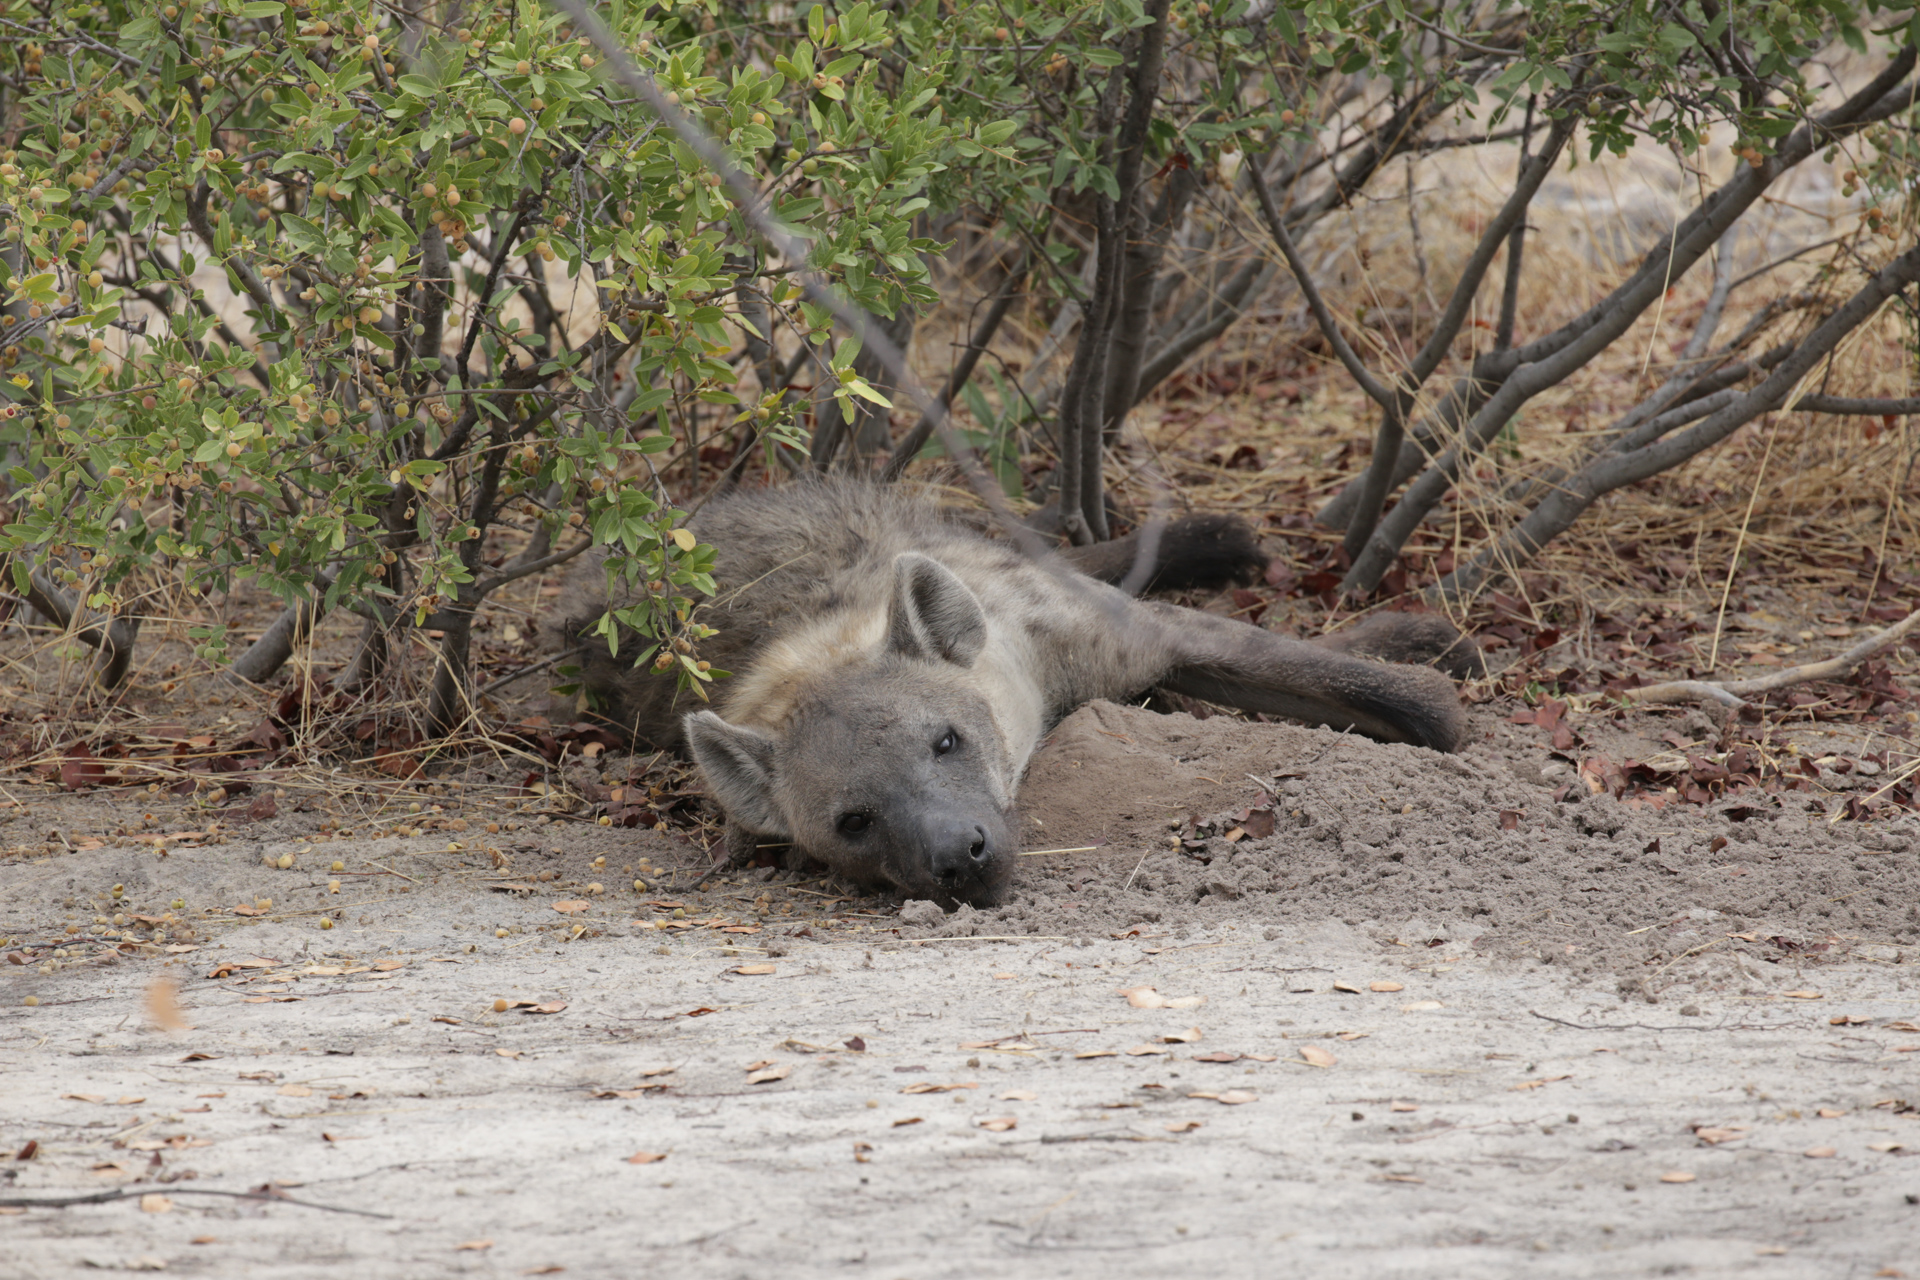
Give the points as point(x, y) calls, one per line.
point(894, 670)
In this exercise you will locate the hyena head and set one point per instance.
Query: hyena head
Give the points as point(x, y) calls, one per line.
point(891, 767)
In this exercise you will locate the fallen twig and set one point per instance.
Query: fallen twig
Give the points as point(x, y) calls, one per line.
point(1733, 694)
point(102, 1197)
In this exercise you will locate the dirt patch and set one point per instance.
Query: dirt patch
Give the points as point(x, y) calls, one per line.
point(1198, 822)
point(1392, 1028)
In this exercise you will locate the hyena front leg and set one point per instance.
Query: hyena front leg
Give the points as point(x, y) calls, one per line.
point(1240, 665)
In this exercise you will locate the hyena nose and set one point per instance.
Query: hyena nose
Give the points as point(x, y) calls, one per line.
point(961, 854)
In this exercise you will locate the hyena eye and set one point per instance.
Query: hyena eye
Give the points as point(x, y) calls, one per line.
point(948, 742)
point(853, 824)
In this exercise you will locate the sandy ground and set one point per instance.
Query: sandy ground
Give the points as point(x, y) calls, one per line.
point(1401, 1035)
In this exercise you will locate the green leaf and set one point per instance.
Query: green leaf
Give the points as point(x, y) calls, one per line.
point(992, 135)
point(262, 9)
point(418, 86)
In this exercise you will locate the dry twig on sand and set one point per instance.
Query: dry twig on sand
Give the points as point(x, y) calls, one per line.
point(1733, 694)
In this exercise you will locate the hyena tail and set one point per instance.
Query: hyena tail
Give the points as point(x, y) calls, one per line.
point(1193, 553)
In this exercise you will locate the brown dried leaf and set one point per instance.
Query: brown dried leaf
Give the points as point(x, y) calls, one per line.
point(1386, 986)
point(1403, 1106)
point(1677, 1175)
point(901, 1124)
point(1819, 1153)
point(1218, 1055)
point(753, 970)
point(646, 1157)
point(294, 1091)
point(999, 1124)
point(151, 1203)
point(1095, 1053)
point(1145, 1051)
point(1189, 1036)
point(766, 1075)
point(1713, 1136)
point(1183, 1126)
point(1801, 995)
point(928, 1086)
point(1314, 1054)
point(1231, 1098)
point(1524, 1085)
point(571, 906)
point(473, 1246)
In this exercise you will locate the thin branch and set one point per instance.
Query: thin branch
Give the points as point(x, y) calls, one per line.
point(1734, 693)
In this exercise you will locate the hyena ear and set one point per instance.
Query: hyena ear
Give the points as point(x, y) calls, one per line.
point(934, 616)
point(738, 764)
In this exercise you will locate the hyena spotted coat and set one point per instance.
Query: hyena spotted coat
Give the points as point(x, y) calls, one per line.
point(894, 670)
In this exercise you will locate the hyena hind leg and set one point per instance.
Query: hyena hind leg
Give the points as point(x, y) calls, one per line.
point(1422, 639)
point(1239, 665)
point(1192, 553)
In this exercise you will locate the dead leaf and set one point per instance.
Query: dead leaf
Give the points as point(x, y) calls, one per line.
point(1189, 1036)
point(1535, 1084)
point(638, 1091)
point(1885, 1147)
point(646, 1157)
point(1144, 1050)
point(1231, 1098)
point(1713, 1137)
point(1095, 1053)
point(1677, 1175)
point(901, 1124)
point(1403, 1106)
point(474, 1246)
point(1018, 1095)
point(1317, 1056)
point(1801, 995)
point(294, 1091)
point(768, 1074)
point(1386, 986)
point(1260, 1057)
point(999, 1124)
point(1402, 1177)
point(508, 1053)
point(571, 906)
point(1351, 1035)
point(1848, 1020)
point(84, 1097)
point(441, 1017)
point(1148, 998)
point(163, 1009)
point(1902, 1026)
point(1347, 987)
point(388, 966)
point(1183, 1126)
point(753, 970)
point(552, 1006)
point(1829, 1113)
point(151, 1203)
point(1004, 977)
point(1421, 1006)
point(1819, 1153)
point(863, 1153)
point(1218, 1055)
point(928, 1086)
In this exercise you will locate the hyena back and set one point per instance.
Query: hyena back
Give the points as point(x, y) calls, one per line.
point(894, 671)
